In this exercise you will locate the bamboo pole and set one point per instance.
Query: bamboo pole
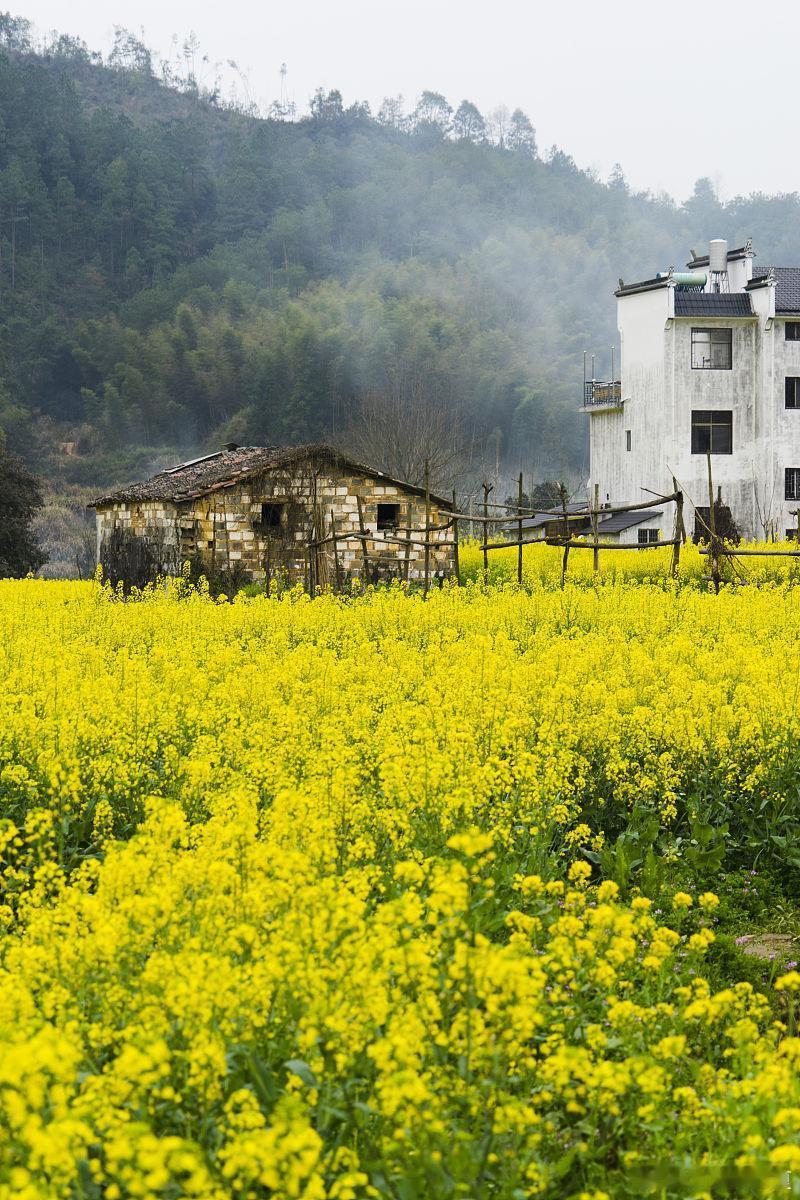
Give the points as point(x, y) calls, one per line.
point(580, 512)
point(570, 544)
point(427, 525)
point(760, 553)
point(519, 531)
point(456, 564)
point(595, 531)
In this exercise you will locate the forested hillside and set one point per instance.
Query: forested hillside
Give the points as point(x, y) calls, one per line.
point(176, 272)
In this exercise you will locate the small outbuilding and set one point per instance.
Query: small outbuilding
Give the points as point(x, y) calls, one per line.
point(255, 513)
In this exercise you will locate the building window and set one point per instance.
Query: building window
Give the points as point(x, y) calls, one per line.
point(712, 349)
point(791, 534)
point(791, 489)
point(627, 439)
point(792, 331)
point(712, 432)
point(271, 516)
point(792, 391)
point(647, 536)
point(388, 516)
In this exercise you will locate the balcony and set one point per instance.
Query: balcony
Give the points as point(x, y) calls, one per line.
point(602, 395)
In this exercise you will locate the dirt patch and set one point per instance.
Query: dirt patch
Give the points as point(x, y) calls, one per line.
point(769, 946)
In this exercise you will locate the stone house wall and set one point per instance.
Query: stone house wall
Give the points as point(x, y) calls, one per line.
point(229, 529)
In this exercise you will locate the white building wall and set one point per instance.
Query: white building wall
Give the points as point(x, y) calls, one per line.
point(620, 473)
point(733, 390)
point(659, 391)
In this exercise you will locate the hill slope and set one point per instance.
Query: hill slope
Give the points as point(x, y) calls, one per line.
point(173, 274)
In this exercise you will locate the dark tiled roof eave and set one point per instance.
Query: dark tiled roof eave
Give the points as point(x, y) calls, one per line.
point(712, 304)
point(787, 288)
point(733, 255)
point(179, 485)
point(646, 285)
point(619, 522)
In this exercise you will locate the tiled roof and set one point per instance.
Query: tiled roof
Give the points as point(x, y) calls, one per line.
point(213, 472)
point(541, 519)
point(712, 304)
point(646, 285)
point(621, 521)
point(787, 292)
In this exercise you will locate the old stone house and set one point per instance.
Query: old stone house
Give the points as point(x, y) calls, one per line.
point(251, 513)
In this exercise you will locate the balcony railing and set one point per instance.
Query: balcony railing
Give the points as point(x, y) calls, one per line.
point(596, 394)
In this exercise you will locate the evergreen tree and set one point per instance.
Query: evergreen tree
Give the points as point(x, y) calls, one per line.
point(20, 498)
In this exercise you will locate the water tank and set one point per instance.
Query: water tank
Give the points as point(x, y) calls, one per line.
point(717, 255)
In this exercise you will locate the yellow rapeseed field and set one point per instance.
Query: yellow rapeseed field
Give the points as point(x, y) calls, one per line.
point(379, 896)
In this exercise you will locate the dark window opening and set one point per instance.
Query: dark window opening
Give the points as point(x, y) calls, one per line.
point(388, 516)
point(792, 391)
point(792, 331)
point(272, 516)
point(791, 534)
point(792, 483)
point(712, 432)
point(712, 349)
point(627, 439)
point(647, 536)
point(724, 524)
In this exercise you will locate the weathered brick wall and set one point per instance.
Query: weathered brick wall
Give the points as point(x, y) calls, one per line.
point(225, 529)
point(154, 520)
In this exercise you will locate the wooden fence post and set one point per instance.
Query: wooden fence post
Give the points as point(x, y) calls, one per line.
point(363, 532)
point(487, 488)
point(427, 524)
point(680, 532)
point(336, 579)
point(562, 491)
point(407, 552)
point(713, 527)
point(519, 530)
point(456, 563)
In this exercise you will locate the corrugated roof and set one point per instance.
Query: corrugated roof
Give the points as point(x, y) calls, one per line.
point(618, 522)
point(712, 304)
point(186, 481)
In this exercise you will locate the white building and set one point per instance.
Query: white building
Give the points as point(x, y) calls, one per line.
point(710, 362)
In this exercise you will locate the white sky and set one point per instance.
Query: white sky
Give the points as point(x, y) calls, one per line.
point(673, 90)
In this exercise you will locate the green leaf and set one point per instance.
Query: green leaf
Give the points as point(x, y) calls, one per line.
point(303, 1071)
